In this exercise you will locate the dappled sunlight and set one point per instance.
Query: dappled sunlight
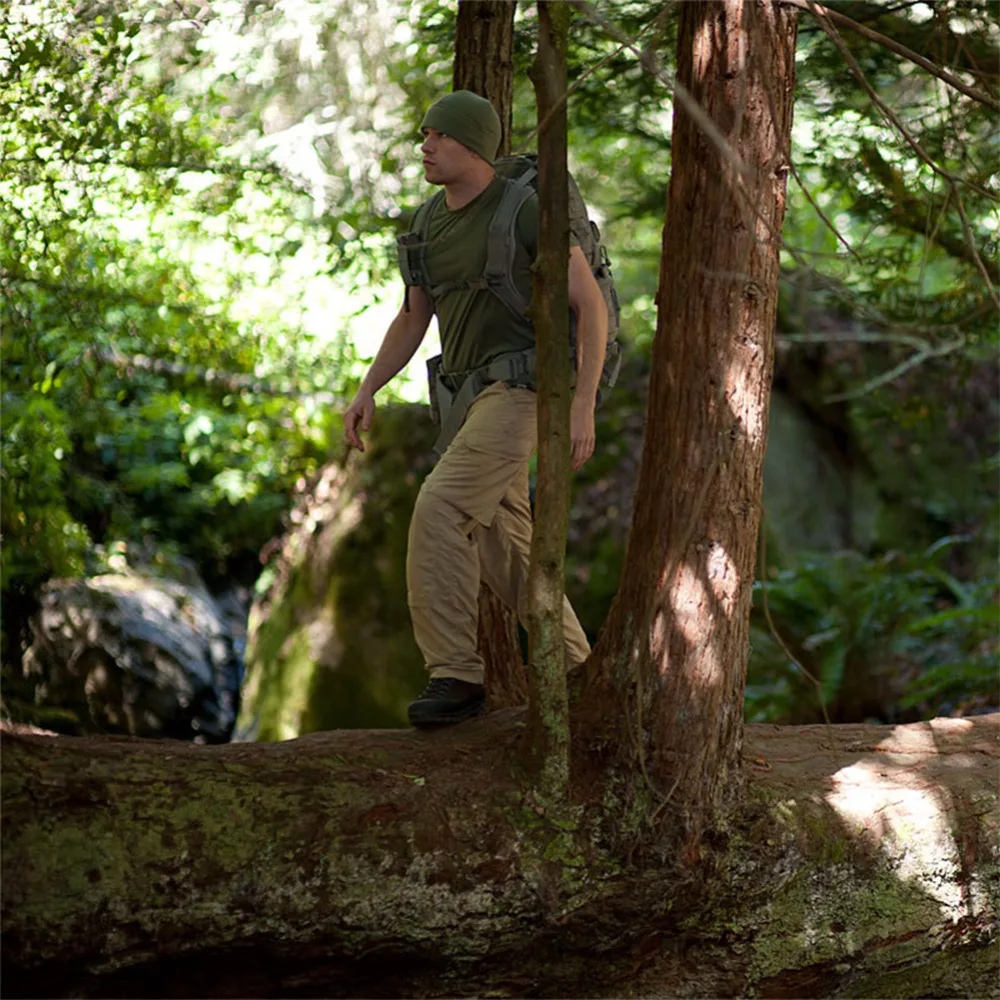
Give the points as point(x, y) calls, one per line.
point(743, 393)
point(724, 578)
point(689, 598)
point(907, 817)
point(693, 617)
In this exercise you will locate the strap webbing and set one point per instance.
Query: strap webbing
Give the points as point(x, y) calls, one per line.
point(517, 367)
point(501, 243)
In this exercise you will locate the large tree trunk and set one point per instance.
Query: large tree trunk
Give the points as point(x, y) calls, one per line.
point(484, 64)
point(374, 864)
point(484, 56)
point(675, 648)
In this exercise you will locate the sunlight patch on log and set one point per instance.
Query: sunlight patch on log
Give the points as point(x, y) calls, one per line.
point(910, 822)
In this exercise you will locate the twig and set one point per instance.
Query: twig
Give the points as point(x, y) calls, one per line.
point(762, 572)
point(628, 43)
point(904, 366)
point(851, 337)
point(970, 240)
point(649, 62)
point(833, 229)
point(933, 68)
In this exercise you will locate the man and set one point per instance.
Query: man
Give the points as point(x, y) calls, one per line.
point(472, 518)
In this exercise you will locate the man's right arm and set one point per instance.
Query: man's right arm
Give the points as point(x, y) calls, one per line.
point(400, 343)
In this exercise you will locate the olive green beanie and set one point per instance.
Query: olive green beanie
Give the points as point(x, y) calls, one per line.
point(470, 119)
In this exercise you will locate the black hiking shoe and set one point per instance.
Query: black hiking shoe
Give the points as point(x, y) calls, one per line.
point(446, 700)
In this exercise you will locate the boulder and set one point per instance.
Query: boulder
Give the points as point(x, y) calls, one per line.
point(134, 654)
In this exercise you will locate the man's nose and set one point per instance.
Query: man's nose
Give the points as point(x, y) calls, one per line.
point(425, 146)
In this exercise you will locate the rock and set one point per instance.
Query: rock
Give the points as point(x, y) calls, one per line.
point(330, 644)
point(134, 654)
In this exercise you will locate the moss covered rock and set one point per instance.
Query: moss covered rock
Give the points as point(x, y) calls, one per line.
point(330, 644)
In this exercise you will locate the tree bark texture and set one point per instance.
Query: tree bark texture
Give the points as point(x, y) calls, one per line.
point(484, 64)
point(675, 648)
point(548, 707)
point(862, 862)
point(484, 57)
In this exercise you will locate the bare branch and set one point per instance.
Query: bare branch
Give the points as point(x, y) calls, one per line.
point(766, 607)
point(924, 351)
point(886, 42)
point(893, 373)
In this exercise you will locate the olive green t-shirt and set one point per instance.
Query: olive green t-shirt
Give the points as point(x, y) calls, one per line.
point(475, 325)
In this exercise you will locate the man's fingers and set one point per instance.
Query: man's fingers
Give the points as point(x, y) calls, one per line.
point(582, 450)
point(358, 413)
point(351, 430)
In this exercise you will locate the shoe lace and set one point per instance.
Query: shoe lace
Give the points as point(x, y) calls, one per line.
point(438, 687)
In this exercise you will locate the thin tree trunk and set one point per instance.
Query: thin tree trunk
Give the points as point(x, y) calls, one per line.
point(484, 39)
point(675, 648)
point(548, 712)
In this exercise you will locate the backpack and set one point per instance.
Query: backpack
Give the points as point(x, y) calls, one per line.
point(521, 174)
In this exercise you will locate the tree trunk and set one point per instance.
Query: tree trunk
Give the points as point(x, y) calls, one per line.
point(484, 64)
point(674, 652)
point(484, 56)
point(862, 862)
point(548, 706)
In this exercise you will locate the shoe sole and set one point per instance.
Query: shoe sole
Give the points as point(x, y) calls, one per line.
point(442, 719)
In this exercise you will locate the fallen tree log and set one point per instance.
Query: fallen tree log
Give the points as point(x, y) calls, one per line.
point(860, 861)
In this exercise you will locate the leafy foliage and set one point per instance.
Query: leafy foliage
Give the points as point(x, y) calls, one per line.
point(928, 641)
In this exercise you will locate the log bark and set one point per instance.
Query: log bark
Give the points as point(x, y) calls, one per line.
point(861, 861)
point(673, 654)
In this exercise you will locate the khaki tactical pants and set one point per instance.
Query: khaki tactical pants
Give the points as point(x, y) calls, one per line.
point(472, 522)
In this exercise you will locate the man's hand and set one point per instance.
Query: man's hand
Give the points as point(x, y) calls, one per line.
point(582, 435)
point(360, 411)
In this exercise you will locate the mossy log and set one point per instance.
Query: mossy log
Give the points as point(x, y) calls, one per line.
point(860, 861)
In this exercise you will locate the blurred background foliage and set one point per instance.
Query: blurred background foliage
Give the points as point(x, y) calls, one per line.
point(198, 205)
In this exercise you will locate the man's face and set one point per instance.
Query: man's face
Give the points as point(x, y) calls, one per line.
point(445, 159)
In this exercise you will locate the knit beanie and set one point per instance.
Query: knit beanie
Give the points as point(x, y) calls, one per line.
point(470, 119)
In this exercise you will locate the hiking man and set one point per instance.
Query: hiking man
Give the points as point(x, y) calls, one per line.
point(472, 520)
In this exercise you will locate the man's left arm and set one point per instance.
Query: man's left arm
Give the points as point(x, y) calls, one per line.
point(587, 303)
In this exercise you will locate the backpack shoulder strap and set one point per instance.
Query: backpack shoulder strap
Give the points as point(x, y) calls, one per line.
point(501, 242)
point(412, 246)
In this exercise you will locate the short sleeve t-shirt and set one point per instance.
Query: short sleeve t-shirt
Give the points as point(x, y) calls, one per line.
point(475, 325)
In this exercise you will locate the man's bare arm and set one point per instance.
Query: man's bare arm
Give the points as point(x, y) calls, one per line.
point(400, 343)
point(587, 302)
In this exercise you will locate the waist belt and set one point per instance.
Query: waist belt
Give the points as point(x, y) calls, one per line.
point(452, 393)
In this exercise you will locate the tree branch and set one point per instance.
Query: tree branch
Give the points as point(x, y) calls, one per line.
point(891, 117)
point(818, 11)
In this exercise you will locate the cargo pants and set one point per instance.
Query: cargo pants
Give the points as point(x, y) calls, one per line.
point(472, 521)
